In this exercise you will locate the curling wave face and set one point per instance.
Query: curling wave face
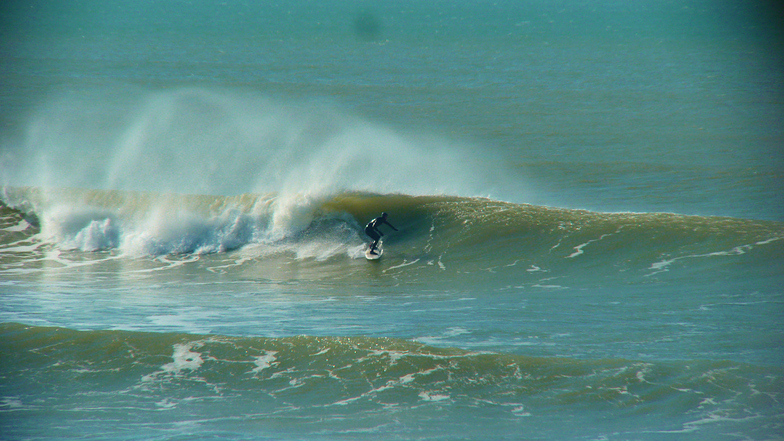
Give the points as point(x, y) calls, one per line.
point(463, 234)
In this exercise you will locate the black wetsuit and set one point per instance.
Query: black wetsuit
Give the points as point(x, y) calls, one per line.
point(371, 229)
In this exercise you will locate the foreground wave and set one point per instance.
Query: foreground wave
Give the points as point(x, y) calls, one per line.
point(351, 385)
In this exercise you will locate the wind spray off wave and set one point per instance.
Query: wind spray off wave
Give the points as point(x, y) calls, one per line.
point(202, 141)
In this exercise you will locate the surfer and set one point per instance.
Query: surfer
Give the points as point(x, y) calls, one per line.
point(371, 229)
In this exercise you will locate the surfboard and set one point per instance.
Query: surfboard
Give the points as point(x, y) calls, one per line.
point(376, 255)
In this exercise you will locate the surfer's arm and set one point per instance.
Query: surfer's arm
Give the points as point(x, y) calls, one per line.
point(391, 226)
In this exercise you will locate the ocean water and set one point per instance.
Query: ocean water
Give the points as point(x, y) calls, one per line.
point(588, 197)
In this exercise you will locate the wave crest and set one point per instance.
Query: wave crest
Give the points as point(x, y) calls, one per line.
point(475, 233)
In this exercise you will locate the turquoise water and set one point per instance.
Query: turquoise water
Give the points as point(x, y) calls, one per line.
point(588, 197)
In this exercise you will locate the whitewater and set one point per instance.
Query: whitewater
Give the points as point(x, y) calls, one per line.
point(588, 199)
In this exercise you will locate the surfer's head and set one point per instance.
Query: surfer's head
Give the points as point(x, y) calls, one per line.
point(384, 215)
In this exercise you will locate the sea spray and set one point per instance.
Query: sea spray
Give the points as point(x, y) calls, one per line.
point(211, 141)
point(83, 228)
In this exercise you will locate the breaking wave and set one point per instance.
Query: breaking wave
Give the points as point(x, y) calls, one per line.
point(467, 232)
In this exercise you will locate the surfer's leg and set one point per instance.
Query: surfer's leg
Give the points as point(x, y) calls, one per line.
point(373, 235)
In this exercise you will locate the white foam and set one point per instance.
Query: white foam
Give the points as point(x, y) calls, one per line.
point(394, 356)
point(402, 265)
point(579, 248)
point(408, 378)
point(84, 228)
point(264, 361)
point(663, 265)
point(21, 226)
point(11, 403)
point(166, 404)
point(15, 248)
point(162, 225)
point(431, 396)
point(440, 262)
point(520, 411)
point(456, 330)
point(184, 358)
